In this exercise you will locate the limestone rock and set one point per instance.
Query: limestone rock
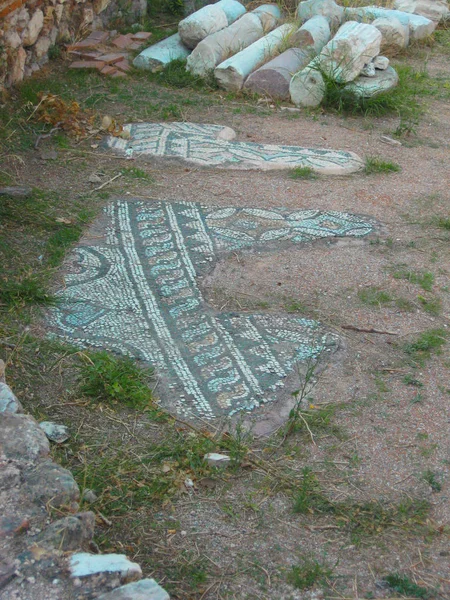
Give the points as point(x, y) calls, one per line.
point(395, 35)
point(381, 63)
point(51, 483)
point(69, 533)
point(307, 87)
point(232, 73)
point(146, 589)
point(353, 46)
point(31, 33)
point(89, 496)
point(435, 10)
point(217, 460)
point(55, 433)
point(209, 19)
point(21, 438)
point(84, 564)
point(327, 8)
point(368, 70)
point(8, 401)
point(368, 87)
point(9, 475)
point(159, 55)
point(16, 68)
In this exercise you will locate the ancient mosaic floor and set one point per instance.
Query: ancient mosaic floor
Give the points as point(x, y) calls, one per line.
point(134, 289)
point(206, 145)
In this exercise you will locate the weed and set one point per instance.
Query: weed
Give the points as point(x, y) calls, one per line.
point(302, 173)
point(433, 306)
point(428, 342)
point(423, 278)
point(114, 380)
point(443, 223)
point(294, 306)
point(403, 585)
point(308, 573)
point(16, 293)
point(237, 443)
point(404, 304)
point(374, 164)
point(430, 477)
point(58, 243)
point(136, 173)
point(411, 380)
point(309, 497)
point(175, 75)
point(374, 296)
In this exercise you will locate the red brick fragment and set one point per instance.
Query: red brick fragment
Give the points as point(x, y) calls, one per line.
point(123, 41)
point(87, 64)
point(112, 58)
point(141, 35)
point(85, 55)
point(123, 65)
point(83, 45)
point(135, 45)
point(118, 74)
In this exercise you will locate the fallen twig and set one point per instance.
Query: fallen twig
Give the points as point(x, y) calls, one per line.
point(370, 330)
point(106, 183)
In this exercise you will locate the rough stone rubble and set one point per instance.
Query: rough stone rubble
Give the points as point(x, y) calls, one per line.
point(41, 558)
point(260, 51)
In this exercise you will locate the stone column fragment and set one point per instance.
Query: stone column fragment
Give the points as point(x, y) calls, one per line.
point(156, 57)
point(307, 87)
point(274, 77)
point(209, 19)
point(419, 27)
point(368, 87)
point(353, 46)
point(395, 35)
point(232, 73)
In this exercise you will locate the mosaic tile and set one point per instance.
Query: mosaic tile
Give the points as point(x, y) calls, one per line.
point(134, 290)
point(202, 145)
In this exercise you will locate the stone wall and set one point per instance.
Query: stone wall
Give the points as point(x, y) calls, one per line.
point(29, 29)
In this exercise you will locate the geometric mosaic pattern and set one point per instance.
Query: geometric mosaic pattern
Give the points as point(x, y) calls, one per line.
point(200, 145)
point(134, 290)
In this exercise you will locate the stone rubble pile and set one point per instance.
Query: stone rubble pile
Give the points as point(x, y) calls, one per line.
point(41, 559)
point(258, 51)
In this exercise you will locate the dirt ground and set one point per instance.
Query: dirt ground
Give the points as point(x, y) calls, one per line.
point(235, 534)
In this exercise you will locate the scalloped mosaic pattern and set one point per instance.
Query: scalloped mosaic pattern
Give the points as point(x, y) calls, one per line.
point(135, 292)
point(199, 144)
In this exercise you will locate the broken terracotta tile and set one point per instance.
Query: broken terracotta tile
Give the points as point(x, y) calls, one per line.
point(118, 74)
point(98, 36)
point(87, 64)
point(123, 65)
point(123, 41)
point(135, 45)
point(83, 45)
point(112, 58)
point(85, 55)
point(108, 70)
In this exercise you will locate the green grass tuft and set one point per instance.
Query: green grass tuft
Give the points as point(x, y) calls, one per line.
point(16, 293)
point(430, 477)
point(374, 164)
point(427, 343)
point(403, 585)
point(443, 223)
point(308, 573)
point(423, 278)
point(309, 497)
point(374, 296)
point(302, 173)
point(112, 379)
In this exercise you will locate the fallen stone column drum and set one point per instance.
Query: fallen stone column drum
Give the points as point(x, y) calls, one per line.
point(353, 46)
point(216, 48)
point(274, 77)
point(368, 87)
point(419, 27)
point(232, 73)
point(209, 19)
point(156, 57)
point(307, 87)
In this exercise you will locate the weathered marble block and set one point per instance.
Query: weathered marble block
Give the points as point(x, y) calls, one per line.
point(353, 46)
point(419, 27)
point(368, 87)
point(435, 10)
point(209, 19)
point(232, 73)
point(159, 55)
point(274, 77)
